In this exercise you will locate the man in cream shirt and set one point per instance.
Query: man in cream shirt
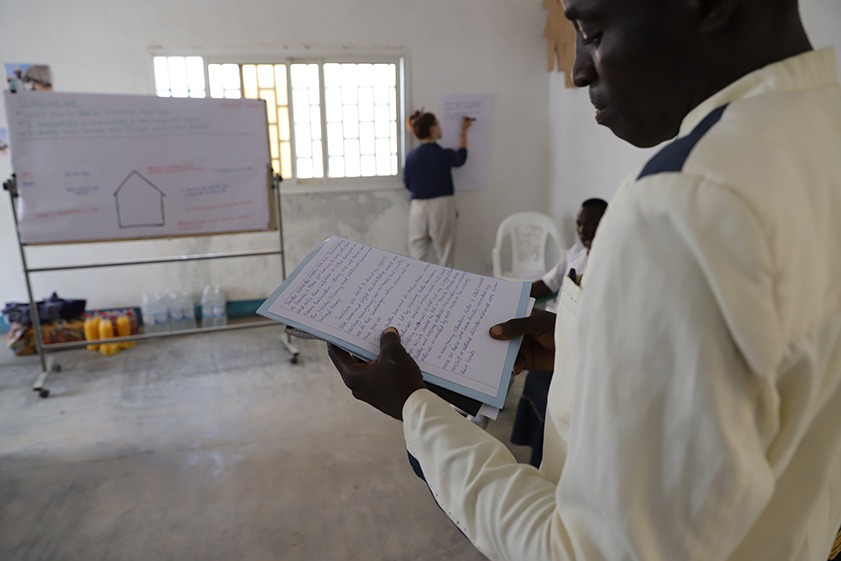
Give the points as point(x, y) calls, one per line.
point(704, 365)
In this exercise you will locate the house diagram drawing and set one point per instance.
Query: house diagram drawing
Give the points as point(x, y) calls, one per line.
point(140, 203)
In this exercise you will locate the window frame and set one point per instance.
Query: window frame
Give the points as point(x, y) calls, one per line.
point(307, 55)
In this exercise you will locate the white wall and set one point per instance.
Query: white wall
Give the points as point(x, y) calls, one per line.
point(469, 46)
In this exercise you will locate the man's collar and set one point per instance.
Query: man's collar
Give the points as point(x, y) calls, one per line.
point(809, 70)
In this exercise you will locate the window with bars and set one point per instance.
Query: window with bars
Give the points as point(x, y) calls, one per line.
point(326, 119)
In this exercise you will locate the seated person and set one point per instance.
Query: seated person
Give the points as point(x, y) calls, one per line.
point(531, 410)
point(575, 258)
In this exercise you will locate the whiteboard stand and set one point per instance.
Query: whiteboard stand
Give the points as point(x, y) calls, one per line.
point(42, 349)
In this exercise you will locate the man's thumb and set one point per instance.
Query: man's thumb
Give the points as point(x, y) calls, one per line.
point(390, 346)
point(508, 330)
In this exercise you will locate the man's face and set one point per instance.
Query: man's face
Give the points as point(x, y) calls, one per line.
point(586, 223)
point(637, 58)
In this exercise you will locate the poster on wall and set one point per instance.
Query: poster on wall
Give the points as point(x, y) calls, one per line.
point(473, 175)
point(22, 77)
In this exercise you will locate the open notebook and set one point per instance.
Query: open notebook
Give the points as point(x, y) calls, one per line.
point(347, 292)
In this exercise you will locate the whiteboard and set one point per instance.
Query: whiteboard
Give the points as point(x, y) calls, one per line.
point(92, 167)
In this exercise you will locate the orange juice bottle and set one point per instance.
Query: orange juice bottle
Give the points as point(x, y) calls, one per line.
point(92, 331)
point(106, 331)
point(124, 330)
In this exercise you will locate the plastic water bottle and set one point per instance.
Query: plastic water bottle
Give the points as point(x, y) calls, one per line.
point(213, 307)
point(220, 308)
point(176, 314)
point(188, 307)
point(147, 312)
point(160, 313)
point(206, 307)
point(181, 310)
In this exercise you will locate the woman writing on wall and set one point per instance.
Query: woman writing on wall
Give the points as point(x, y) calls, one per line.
point(428, 176)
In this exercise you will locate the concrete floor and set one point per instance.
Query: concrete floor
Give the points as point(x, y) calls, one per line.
point(210, 447)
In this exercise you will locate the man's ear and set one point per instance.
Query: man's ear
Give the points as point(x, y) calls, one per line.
point(715, 15)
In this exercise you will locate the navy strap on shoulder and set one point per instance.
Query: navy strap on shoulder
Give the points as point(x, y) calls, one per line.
point(674, 156)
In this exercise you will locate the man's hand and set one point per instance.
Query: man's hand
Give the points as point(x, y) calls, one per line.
point(387, 381)
point(537, 352)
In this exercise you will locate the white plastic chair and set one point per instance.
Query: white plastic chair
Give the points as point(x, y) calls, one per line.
point(528, 233)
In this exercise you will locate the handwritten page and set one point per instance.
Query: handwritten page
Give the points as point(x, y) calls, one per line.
point(346, 292)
